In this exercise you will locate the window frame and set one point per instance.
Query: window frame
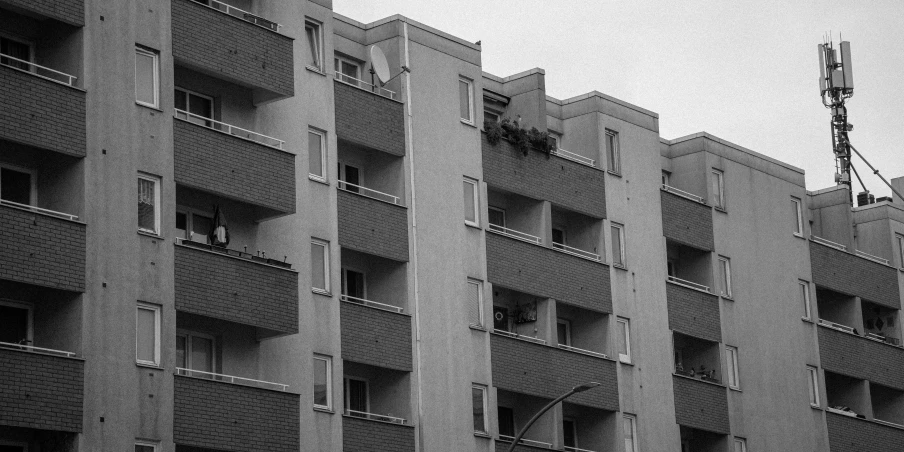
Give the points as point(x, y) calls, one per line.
point(718, 196)
point(733, 367)
point(725, 277)
point(338, 59)
point(625, 358)
point(157, 310)
point(900, 239)
point(613, 152)
point(622, 263)
point(499, 210)
point(345, 401)
point(742, 442)
point(633, 420)
point(813, 386)
point(155, 57)
point(486, 417)
point(329, 382)
point(574, 432)
point(470, 83)
point(317, 34)
point(343, 280)
point(800, 217)
point(323, 155)
point(805, 292)
point(189, 213)
point(30, 322)
point(191, 119)
point(666, 175)
point(188, 335)
point(326, 267)
point(145, 443)
point(556, 138)
point(475, 184)
point(567, 323)
point(157, 185)
point(480, 301)
point(33, 173)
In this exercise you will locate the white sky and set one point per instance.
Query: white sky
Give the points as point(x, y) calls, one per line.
point(743, 70)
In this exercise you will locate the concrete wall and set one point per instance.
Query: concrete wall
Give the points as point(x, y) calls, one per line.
point(41, 391)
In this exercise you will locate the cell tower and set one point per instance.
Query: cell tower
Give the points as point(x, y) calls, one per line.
point(836, 84)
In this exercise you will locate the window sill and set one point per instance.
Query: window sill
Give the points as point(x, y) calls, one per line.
point(735, 389)
point(798, 235)
point(482, 435)
point(720, 209)
point(151, 235)
point(149, 107)
point(614, 173)
point(318, 179)
point(620, 266)
point(322, 292)
point(477, 328)
point(315, 70)
point(726, 297)
point(816, 407)
point(468, 123)
point(473, 225)
point(810, 321)
point(627, 363)
point(324, 410)
point(149, 366)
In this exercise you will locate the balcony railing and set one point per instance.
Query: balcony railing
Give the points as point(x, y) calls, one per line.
point(575, 251)
point(229, 129)
point(379, 90)
point(526, 442)
point(373, 304)
point(574, 157)
point(519, 336)
point(577, 449)
point(52, 213)
point(683, 193)
point(376, 417)
point(38, 70)
point(244, 15)
point(868, 256)
point(515, 234)
point(369, 192)
point(29, 348)
point(231, 379)
point(689, 284)
point(261, 258)
point(581, 350)
point(827, 242)
point(885, 339)
point(837, 326)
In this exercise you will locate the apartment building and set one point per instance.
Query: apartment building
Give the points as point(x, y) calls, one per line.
point(321, 262)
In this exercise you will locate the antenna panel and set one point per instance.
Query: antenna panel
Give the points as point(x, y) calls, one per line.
point(822, 68)
point(846, 66)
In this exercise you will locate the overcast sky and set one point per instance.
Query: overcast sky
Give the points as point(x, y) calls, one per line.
point(745, 71)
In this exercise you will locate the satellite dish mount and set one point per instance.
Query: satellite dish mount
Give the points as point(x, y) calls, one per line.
point(379, 68)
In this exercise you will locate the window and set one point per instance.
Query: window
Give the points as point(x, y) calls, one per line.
point(349, 177)
point(491, 115)
point(718, 187)
point(624, 340)
point(195, 351)
point(312, 33)
point(18, 50)
point(471, 202)
point(16, 322)
point(813, 385)
point(805, 297)
point(347, 70)
point(558, 236)
point(725, 276)
point(798, 226)
point(320, 266)
point(148, 204)
point(740, 445)
point(506, 419)
point(317, 154)
point(147, 80)
point(900, 249)
point(145, 446)
point(13, 446)
point(556, 140)
point(479, 404)
point(563, 331)
point(147, 337)
point(618, 245)
point(18, 185)
point(630, 432)
point(501, 318)
point(323, 382)
point(496, 216)
point(665, 177)
point(475, 301)
point(569, 433)
point(612, 152)
point(731, 361)
point(357, 398)
point(197, 105)
point(194, 226)
point(353, 284)
point(465, 103)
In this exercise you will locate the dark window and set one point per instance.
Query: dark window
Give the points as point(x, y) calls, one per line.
point(13, 325)
point(506, 421)
point(16, 50)
point(558, 236)
point(15, 186)
point(353, 283)
point(568, 434)
point(356, 395)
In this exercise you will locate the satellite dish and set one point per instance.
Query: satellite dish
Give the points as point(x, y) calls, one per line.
point(378, 64)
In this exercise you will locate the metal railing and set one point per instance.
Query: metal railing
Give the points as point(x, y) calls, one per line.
point(38, 70)
point(871, 257)
point(373, 304)
point(515, 234)
point(241, 14)
point(574, 157)
point(582, 351)
point(576, 449)
point(378, 90)
point(376, 417)
point(519, 336)
point(369, 192)
point(52, 213)
point(575, 251)
point(526, 442)
point(29, 348)
point(231, 379)
point(827, 242)
point(689, 284)
point(836, 326)
point(683, 193)
point(229, 129)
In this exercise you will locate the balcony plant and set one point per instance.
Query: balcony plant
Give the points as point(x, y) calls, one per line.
point(524, 140)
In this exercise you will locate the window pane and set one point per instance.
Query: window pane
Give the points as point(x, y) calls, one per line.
point(13, 324)
point(144, 78)
point(622, 338)
point(147, 335)
point(612, 151)
point(562, 333)
point(180, 352)
point(180, 100)
point(15, 186)
point(731, 360)
point(470, 207)
point(200, 106)
point(357, 395)
point(18, 50)
point(725, 275)
point(353, 283)
point(474, 302)
point(318, 273)
point(321, 397)
point(497, 217)
point(315, 154)
point(805, 298)
point(147, 218)
point(616, 245)
point(795, 206)
point(201, 354)
point(568, 435)
point(628, 426)
point(811, 383)
point(506, 421)
point(201, 227)
point(312, 31)
point(464, 99)
point(477, 401)
point(717, 189)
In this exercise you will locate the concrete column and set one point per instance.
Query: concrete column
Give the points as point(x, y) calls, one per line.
point(546, 222)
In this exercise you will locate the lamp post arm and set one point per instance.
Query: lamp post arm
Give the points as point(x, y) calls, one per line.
point(537, 416)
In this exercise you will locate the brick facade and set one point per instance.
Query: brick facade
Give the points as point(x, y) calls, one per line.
point(229, 417)
point(548, 372)
point(71, 12)
point(369, 120)
point(237, 290)
point(849, 434)
point(41, 113)
point(41, 250)
point(686, 221)
point(860, 357)
point(41, 391)
point(849, 274)
point(565, 183)
point(701, 405)
point(544, 272)
point(239, 169)
point(371, 226)
point(375, 336)
point(693, 312)
point(364, 435)
point(232, 49)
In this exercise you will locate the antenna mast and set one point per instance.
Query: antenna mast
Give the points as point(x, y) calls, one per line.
point(836, 84)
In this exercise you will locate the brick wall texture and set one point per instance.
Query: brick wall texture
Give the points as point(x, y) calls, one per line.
point(375, 336)
point(862, 358)
point(237, 290)
point(228, 417)
point(41, 391)
point(41, 113)
point(369, 120)
point(232, 49)
point(548, 372)
point(503, 446)
point(41, 250)
point(371, 226)
point(846, 273)
point(565, 183)
point(363, 435)
point(693, 312)
point(848, 434)
point(686, 221)
point(69, 11)
point(544, 272)
point(232, 167)
point(701, 405)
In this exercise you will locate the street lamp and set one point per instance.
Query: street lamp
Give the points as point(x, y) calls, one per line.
point(574, 390)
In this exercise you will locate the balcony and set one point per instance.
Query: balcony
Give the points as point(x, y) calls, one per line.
point(372, 222)
point(686, 219)
point(359, 434)
point(693, 311)
point(234, 163)
point(368, 119)
point(701, 405)
point(41, 388)
point(503, 442)
point(375, 334)
point(853, 274)
point(213, 411)
point(859, 435)
point(849, 354)
point(234, 45)
point(234, 286)
point(70, 12)
point(41, 247)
